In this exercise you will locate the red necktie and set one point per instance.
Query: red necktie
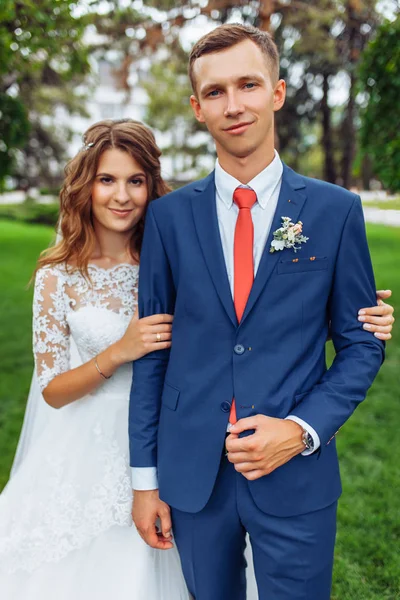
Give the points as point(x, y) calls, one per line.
point(243, 260)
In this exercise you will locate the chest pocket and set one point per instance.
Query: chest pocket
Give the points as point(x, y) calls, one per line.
point(302, 265)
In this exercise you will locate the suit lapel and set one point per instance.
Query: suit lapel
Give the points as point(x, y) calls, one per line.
point(290, 203)
point(206, 223)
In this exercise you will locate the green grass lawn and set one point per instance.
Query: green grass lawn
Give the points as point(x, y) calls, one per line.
point(20, 246)
point(367, 554)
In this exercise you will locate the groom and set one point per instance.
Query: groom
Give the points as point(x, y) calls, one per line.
point(240, 418)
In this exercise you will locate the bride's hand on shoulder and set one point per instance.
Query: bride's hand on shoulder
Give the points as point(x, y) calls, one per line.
point(145, 335)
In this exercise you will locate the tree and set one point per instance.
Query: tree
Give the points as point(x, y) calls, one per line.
point(14, 128)
point(360, 20)
point(328, 38)
point(168, 110)
point(43, 60)
point(316, 42)
point(380, 81)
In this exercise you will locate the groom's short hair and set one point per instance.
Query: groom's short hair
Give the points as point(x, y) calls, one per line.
point(230, 34)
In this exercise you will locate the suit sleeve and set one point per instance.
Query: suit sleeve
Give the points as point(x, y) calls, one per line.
point(156, 295)
point(359, 354)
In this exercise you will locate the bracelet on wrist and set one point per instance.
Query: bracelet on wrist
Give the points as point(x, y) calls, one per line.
point(99, 370)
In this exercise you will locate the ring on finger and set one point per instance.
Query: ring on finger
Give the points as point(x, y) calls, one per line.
point(158, 337)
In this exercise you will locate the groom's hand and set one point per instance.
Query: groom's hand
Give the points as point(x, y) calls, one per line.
point(273, 443)
point(147, 508)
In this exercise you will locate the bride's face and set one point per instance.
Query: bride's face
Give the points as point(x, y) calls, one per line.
point(119, 193)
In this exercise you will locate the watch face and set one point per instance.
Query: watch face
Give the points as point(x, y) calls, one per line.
point(308, 440)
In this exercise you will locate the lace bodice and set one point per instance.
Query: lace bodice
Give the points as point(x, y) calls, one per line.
point(94, 313)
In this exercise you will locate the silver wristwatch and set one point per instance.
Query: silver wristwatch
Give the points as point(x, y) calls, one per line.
point(307, 440)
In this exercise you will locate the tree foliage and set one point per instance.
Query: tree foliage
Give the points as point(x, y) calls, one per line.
point(43, 59)
point(169, 111)
point(380, 80)
point(14, 129)
point(316, 42)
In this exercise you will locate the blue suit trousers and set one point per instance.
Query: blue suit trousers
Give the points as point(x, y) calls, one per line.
point(293, 556)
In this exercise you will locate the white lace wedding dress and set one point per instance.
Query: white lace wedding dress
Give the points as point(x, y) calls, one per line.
point(65, 515)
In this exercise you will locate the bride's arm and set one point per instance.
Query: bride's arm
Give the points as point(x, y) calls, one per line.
point(61, 385)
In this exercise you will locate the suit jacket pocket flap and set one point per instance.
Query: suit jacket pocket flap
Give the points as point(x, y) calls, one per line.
point(170, 396)
point(302, 265)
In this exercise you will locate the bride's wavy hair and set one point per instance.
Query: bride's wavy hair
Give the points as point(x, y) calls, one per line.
point(75, 222)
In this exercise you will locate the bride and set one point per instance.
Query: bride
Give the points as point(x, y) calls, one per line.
point(65, 515)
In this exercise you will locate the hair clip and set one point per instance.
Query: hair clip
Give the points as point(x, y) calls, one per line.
point(87, 146)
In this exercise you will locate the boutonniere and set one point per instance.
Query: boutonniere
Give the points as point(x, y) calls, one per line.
point(289, 235)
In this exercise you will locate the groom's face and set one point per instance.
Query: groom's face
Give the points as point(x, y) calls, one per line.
point(236, 98)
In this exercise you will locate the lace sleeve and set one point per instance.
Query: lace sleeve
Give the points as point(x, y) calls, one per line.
point(50, 328)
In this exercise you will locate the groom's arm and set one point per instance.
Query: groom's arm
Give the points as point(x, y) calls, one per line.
point(359, 354)
point(330, 403)
point(156, 296)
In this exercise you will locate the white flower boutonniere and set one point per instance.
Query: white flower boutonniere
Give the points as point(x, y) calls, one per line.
point(288, 236)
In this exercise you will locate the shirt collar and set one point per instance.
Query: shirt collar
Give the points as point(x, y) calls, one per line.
point(263, 184)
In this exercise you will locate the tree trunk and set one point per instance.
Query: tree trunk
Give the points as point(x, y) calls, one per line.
point(327, 143)
point(348, 136)
point(366, 173)
point(348, 129)
point(267, 8)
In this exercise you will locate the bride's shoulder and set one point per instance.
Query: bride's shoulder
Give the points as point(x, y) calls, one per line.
point(51, 273)
point(56, 269)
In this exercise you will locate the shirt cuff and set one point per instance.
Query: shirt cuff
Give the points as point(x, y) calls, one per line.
point(144, 478)
point(309, 430)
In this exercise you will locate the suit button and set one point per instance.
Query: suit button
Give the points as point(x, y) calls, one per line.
point(226, 407)
point(238, 349)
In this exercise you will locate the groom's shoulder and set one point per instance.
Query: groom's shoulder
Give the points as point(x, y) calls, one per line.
point(329, 195)
point(181, 196)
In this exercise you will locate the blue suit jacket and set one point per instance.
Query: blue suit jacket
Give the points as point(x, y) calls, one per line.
point(273, 362)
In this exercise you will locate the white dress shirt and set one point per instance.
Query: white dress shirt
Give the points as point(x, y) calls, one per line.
point(267, 186)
